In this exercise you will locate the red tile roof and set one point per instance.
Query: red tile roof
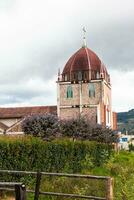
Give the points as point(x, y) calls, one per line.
point(19, 112)
point(83, 59)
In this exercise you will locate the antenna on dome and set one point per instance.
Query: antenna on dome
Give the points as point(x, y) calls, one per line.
point(84, 37)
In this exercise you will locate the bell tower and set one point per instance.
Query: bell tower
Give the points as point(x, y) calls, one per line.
point(84, 89)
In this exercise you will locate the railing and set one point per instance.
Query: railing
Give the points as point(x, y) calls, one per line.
point(37, 192)
point(20, 189)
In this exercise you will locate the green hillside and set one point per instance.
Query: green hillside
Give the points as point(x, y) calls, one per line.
point(125, 121)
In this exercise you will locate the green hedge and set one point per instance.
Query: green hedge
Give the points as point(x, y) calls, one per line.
point(68, 156)
point(28, 153)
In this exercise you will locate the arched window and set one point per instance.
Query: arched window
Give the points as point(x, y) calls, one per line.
point(69, 92)
point(65, 77)
point(85, 75)
point(91, 90)
point(79, 76)
point(97, 75)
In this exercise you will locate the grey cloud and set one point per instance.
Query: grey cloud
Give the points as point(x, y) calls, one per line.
point(35, 45)
point(21, 93)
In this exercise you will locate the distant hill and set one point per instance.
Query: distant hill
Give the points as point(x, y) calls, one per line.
point(125, 121)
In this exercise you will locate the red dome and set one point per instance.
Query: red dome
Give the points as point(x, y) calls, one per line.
point(83, 59)
point(86, 62)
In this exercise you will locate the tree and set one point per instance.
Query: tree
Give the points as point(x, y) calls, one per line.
point(45, 125)
point(83, 129)
point(103, 134)
point(48, 126)
point(76, 128)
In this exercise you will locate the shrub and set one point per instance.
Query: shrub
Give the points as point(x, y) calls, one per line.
point(45, 126)
point(79, 128)
point(83, 129)
point(131, 147)
point(103, 134)
point(49, 127)
point(31, 153)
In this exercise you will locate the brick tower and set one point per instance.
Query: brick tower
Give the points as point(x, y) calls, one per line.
point(84, 89)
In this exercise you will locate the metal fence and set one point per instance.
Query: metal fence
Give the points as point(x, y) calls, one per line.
point(20, 190)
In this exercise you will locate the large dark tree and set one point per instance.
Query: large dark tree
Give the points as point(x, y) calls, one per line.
point(83, 129)
point(79, 128)
point(45, 126)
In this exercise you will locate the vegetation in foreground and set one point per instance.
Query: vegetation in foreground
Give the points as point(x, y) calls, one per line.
point(49, 127)
point(28, 153)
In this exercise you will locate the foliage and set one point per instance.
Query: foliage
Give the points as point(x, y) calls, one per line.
point(121, 167)
point(83, 129)
point(131, 147)
point(103, 134)
point(29, 153)
point(126, 121)
point(49, 127)
point(79, 128)
point(41, 125)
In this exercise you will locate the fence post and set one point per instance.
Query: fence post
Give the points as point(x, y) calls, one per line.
point(109, 188)
point(37, 187)
point(20, 192)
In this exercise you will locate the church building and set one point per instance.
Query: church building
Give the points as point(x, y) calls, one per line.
point(83, 89)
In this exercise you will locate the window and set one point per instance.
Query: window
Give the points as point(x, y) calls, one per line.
point(91, 90)
point(65, 77)
point(97, 75)
point(69, 92)
point(79, 76)
point(85, 76)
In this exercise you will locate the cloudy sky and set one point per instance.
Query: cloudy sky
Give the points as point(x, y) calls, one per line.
point(38, 36)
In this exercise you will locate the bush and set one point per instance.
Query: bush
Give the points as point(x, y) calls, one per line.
point(49, 127)
point(45, 126)
point(103, 134)
point(131, 147)
point(83, 129)
point(28, 153)
point(79, 128)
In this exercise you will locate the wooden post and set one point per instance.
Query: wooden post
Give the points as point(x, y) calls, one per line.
point(20, 192)
point(109, 189)
point(37, 187)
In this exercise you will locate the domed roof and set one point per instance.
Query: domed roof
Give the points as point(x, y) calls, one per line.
point(84, 61)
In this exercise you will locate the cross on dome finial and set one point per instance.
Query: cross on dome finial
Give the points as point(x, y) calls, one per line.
point(84, 37)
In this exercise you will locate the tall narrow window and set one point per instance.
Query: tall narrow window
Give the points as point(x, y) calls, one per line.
point(91, 90)
point(69, 92)
point(79, 76)
point(97, 75)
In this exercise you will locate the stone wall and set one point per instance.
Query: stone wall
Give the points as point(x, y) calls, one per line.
point(90, 113)
point(69, 113)
point(64, 101)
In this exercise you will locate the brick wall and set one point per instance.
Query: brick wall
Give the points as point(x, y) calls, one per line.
point(90, 113)
point(63, 95)
point(85, 94)
point(102, 93)
point(64, 101)
point(69, 113)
